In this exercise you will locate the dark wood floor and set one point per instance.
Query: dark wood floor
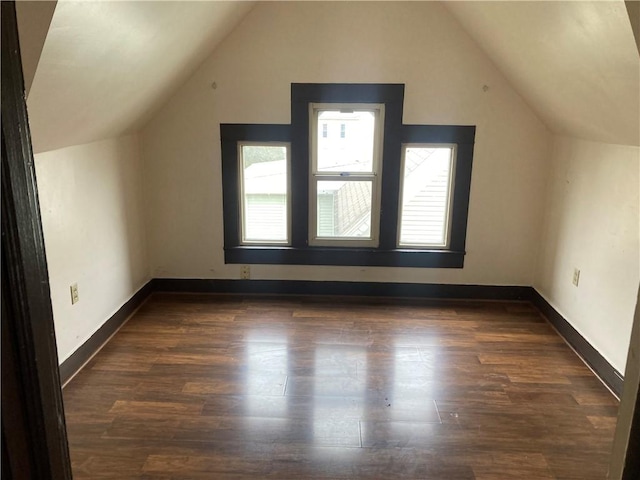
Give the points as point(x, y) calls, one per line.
point(230, 387)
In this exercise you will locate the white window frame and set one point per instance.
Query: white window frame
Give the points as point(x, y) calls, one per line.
point(450, 193)
point(375, 177)
point(241, 223)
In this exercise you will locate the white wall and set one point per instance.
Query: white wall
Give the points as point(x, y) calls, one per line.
point(92, 217)
point(416, 43)
point(592, 224)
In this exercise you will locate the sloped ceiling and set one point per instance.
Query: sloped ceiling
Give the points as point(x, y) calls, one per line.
point(38, 16)
point(106, 66)
point(633, 9)
point(575, 63)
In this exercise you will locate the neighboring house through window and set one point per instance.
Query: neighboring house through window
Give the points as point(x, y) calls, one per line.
point(264, 193)
point(344, 183)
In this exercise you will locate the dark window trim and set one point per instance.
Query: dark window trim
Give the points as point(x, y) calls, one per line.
point(463, 137)
point(395, 135)
point(231, 135)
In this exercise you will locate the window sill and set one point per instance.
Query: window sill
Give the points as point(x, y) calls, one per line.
point(276, 255)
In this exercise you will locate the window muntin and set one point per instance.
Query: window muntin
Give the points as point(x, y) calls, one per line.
point(344, 186)
point(426, 192)
point(264, 193)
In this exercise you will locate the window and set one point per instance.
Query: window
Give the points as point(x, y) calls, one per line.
point(344, 185)
point(386, 194)
point(264, 193)
point(426, 192)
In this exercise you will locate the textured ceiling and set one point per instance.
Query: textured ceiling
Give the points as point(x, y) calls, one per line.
point(106, 66)
point(575, 63)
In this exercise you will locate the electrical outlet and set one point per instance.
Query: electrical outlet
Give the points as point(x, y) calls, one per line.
point(245, 272)
point(576, 276)
point(75, 297)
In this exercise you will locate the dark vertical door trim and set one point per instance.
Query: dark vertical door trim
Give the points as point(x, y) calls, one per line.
point(35, 400)
point(625, 458)
point(632, 459)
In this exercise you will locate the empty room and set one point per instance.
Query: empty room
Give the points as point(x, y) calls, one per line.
point(333, 240)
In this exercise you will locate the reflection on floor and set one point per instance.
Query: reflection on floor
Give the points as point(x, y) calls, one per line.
point(231, 387)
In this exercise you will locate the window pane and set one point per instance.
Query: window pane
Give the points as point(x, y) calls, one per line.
point(344, 209)
point(264, 196)
point(345, 141)
point(425, 196)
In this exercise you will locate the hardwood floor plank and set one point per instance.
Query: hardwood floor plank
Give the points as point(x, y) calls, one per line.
point(168, 408)
point(208, 386)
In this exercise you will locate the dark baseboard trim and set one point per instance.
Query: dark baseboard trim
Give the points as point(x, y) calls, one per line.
point(609, 375)
point(71, 365)
point(365, 289)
